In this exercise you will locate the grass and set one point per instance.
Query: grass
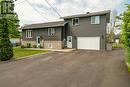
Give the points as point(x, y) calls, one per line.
point(127, 58)
point(115, 45)
point(129, 69)
point(22, 52)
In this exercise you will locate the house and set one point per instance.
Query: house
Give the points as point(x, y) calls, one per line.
point(48, 35)
point(82, 31)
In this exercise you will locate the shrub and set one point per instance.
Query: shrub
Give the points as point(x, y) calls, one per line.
point(22, 46)
point(28, 45)
point(115, 45)
point(41, 46)
point(34, 46)
point(6, 47)
point(126, 34)
point(18, 44)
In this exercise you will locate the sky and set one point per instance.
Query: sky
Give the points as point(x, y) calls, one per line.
point(45, 13)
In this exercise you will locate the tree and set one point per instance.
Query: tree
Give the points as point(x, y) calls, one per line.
point(14, 25)
point(7, 10)
point(6, 48)
point(110, 37)
point(7, 22)
point(126, 32)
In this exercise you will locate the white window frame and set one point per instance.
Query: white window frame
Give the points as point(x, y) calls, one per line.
point(75, 23)
point(28, 33)
point(96, 20)
point(51, 31)
point(50, 45)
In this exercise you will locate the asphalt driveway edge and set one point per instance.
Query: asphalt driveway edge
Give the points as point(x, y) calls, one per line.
point(25, 57)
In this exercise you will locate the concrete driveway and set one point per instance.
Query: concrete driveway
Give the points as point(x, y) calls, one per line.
point(74, 69)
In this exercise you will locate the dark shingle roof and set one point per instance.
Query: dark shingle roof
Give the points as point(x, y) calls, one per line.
point(87, 14)
point(44, 25)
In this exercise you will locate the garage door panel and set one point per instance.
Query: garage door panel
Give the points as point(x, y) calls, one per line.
point(90, 43)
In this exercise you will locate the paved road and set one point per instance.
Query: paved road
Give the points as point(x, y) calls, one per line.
point(74, 69)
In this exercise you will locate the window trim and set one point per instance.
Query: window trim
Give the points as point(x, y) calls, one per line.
point(28, 33)
point(73, 21)
point(51, 31)
point(97, 19)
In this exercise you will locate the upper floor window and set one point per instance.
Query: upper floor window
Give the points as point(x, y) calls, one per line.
point(95, 19)
point(28, 33)
point(51, 32)
point(75, 21)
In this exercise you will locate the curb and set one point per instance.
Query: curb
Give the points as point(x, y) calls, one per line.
point(26, 57)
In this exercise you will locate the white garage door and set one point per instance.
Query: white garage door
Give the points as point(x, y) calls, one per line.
point(90, 43)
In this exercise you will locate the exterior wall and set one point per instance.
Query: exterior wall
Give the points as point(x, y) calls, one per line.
point(31, 42)
point(86, 29)
point(43, 33)
point(54, 44)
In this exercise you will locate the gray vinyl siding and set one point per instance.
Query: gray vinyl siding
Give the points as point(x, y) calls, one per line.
point(86, 29)
point(44, 34)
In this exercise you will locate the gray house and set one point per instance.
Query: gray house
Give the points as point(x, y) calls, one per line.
point(83, 31)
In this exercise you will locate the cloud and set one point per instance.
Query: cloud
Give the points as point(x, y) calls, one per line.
point(28, 15)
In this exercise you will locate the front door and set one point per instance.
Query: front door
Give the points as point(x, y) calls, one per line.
point(69, 41)
point(38, 41)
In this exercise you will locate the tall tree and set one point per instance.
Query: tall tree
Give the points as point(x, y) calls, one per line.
point(6, 48)
point(7, 10)
point(126, 32)
point(6, 24)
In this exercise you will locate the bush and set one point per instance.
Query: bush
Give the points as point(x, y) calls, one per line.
point(28, 45)
point(22, 46)
point(115, 45)
point(126, 34)
point(18, 44)
point(6, 47)
point(41, 46)
point(34, 46)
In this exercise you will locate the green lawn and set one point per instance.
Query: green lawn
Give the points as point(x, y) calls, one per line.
point(21, 52)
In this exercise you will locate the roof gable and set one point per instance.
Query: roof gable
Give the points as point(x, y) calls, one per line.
point(44, 25)
point(87, 14)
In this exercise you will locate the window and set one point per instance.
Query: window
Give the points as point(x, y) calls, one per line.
point(51, 32)
point(28, 33)
point(50, 45)
point(95, 19)
point(75, 21)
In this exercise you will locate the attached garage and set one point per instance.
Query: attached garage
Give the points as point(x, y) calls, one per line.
point(89, 43)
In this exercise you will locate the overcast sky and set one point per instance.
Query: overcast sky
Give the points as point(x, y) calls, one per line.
point(28, 15)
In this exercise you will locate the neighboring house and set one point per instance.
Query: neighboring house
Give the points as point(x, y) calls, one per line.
point(118, 25)
point(117, 30)
point(83, 31)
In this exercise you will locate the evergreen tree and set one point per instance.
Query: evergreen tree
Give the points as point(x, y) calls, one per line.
point(6, 48)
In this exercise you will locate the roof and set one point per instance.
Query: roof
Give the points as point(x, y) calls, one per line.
point(44, 25)
point(87, 14)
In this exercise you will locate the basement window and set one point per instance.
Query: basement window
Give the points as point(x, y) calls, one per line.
point(50, 45)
